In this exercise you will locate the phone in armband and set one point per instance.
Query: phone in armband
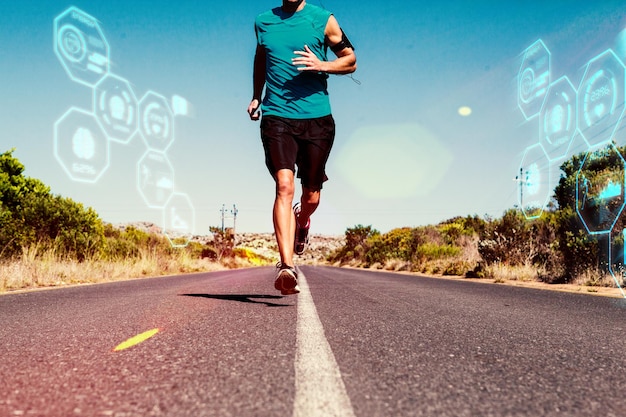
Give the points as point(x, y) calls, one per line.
point(343, 44)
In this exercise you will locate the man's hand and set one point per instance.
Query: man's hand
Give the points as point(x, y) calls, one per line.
point(253, 110)
point(308, 61)
point(345, 63)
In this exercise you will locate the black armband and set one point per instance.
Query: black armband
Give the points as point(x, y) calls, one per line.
point(343, 44)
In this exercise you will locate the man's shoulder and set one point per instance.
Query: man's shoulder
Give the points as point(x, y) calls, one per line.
point(276, 14)
point(318, 10)
point(268, 15)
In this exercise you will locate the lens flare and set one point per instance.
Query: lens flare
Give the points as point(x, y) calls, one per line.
point(393, 161)
point(465, 111)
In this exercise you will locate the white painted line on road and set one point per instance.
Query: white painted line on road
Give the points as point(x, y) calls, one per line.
point(319, 388)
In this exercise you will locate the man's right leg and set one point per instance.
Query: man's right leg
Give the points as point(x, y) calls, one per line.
point(285, 227)
point(284, 220)
point(281, 151)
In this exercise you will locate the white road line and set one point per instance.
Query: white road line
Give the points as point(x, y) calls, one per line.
point(319, 388)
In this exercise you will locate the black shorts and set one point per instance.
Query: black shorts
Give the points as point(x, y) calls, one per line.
point(302, 142)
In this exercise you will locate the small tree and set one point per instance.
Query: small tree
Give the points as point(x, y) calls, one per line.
point(31, 215)
point(359, 240)
point(223, 242)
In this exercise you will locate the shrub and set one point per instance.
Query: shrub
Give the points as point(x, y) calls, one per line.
point(250, 256)
point(131, 242)
point(432, 251)
point(459, 268)
point(223, 243)
point(359, 240)
point(402, 248)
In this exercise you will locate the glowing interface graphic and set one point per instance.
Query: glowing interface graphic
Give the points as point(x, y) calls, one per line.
point(80, 46)
point(80, 146)
point(591, 114)
point(558, 118)
point(535, 181)
point(601, 98)
point(533, 79)
point(178, 219)
point(115, 106)
point(600, 202)
point(82, 137)
point(157, 121)
point(155, 179)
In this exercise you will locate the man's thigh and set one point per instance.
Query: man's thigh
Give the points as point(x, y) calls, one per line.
point(279, 144)
point(313, 151)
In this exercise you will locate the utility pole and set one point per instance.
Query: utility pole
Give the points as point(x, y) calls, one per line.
point(229, 214)
point(520, 181)
point(521, 187)
point(223, 211)
point(234, 212)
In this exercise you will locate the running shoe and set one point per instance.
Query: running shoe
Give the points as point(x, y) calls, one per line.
point(286, 279)
point(302, 233)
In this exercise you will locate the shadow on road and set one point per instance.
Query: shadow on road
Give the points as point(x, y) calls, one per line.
point(243, 298)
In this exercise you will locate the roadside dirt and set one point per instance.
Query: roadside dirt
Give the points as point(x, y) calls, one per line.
point(572, 288)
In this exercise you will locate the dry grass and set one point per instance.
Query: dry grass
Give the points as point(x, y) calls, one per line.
point(459, 264)
point(36, 269)
point(595, 278)
point(500, 273)
point(396, 265)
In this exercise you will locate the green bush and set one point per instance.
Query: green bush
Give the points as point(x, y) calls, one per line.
point(458, 268)
point(408, 245)
point(130, 242)
point(432, 251)
point(359, 240)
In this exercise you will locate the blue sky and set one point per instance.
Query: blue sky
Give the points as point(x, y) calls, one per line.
point(403, 154)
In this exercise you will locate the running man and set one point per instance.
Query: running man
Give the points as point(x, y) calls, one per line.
point(297, 128)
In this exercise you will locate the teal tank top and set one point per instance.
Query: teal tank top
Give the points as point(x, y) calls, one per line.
point(288, 92)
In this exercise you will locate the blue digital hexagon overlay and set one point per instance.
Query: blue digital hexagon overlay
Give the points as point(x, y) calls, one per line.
point(156, 121)
point(115, 105)
point(533, 79)
point(558, 118)
point(534, 183)
point(180, 106)
point(617, 268)
point(155, 179)
point(81, 146)
point(601, 98)
point(81, 46)
point(600, 193)
point(179, 220)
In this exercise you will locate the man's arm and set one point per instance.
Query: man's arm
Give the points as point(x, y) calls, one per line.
point(258, 81)
point(346, 58)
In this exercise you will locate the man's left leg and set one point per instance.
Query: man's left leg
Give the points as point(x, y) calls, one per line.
point(313, 153)
point(309, 202)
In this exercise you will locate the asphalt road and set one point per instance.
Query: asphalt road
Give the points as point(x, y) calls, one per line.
point(353, 343)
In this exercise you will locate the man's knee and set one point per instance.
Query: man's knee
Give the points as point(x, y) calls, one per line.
point(284, 190)
point(310, 196)
point(285, 184)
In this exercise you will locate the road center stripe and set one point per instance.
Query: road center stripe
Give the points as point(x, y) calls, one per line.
point(319, 388)
point(135, 340)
